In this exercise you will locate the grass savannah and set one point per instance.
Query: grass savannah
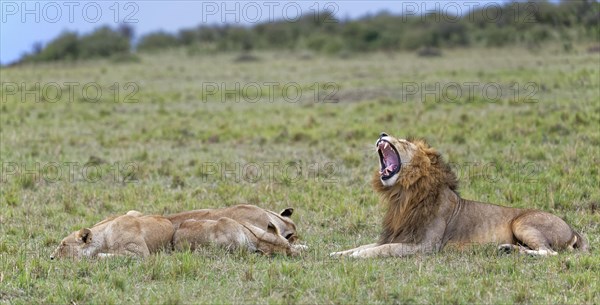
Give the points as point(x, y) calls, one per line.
point(173, 130)
point(75, 162)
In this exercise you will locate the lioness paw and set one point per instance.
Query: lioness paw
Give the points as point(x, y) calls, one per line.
point(297, 249)
point(300, 247)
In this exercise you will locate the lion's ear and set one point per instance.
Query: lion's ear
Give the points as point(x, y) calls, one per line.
point(85, 235)
point(433, 156)
point(287, 212)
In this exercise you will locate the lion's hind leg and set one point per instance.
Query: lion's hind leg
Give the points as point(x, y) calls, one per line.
point(542, 233)
point(509, 248)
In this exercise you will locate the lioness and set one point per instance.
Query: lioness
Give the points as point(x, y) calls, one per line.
point(237, 227)
point(129, 234)
point(425, 212)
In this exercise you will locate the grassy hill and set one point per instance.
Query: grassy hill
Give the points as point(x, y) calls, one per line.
point(174, 132)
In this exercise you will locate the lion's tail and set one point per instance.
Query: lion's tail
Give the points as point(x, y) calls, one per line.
point(580, 242)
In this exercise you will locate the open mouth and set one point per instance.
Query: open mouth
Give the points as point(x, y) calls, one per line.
point(388, 158)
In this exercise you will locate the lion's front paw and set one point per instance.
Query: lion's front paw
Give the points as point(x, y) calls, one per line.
point(342, 253)
point(362, 254)
point(335, 254)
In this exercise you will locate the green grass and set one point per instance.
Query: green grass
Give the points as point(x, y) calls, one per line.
point(179, 148)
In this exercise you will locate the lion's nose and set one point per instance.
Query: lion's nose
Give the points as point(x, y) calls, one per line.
point(383, 134)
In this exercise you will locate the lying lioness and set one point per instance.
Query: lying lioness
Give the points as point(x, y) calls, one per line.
point(245, 227)
point(425, 212)
point(129, 234)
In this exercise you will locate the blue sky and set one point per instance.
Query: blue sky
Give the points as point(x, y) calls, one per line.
point(25, 22)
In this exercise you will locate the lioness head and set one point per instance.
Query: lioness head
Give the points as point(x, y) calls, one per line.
point(283, 225)
point(73, 245)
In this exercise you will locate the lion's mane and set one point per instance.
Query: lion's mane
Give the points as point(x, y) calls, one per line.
point(413, 200)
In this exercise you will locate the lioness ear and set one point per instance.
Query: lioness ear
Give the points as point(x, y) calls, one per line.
point(271, 228)
point(134, 213)
point(85, 235)
point(287, 212)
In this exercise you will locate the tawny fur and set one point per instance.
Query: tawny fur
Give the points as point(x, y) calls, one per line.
point(130, 234)
point(415, 200)
point(240, 227)
point(425, 213)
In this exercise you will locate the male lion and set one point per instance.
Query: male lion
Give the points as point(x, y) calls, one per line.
point(425, 212)
point(245, 227)
point(129, 234)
